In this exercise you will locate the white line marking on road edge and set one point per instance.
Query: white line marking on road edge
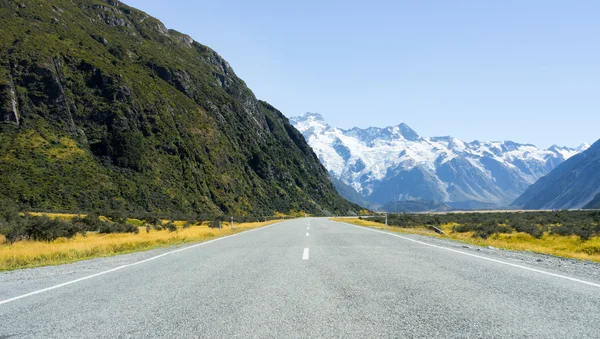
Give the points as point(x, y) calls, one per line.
point(308, 228)
point(307, 234)
point(129, 265)
point(481, 257)
point(305, 254)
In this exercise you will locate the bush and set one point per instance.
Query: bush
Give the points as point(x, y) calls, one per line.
point(215, 223)
point(91, 221)
point(529, 228)
point(152, 219)
point(47, 229)
point(487, 229)
point(107, 228)
point(117, 216)
point(12, 225)
point(14, 231)
point(170, 226)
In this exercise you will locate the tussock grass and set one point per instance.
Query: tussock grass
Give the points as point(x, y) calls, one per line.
point(562, 246)
point(64, 216)
point(24, 254)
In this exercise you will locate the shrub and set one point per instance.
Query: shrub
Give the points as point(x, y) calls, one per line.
point(12, 225)
point(107, 228)
point(14, 231)
point(485, 230)
point(117, 216)
point(215, 223)
point(92, 221)
point(47, 229)
point(529, 228)
point(152, 219)
point(171, 226)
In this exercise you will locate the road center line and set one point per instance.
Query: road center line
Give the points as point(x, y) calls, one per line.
point(481, 257)
point(307, 234)
point(305, 254)
point(128, 265)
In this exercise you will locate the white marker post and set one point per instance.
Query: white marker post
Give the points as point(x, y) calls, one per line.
point(386, 220)
point(232, 227)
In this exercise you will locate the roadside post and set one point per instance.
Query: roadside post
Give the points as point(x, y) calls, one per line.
point(219, 224)
point(386, 220)
point(232, 227)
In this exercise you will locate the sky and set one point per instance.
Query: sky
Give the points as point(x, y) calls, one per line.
point(526, 71)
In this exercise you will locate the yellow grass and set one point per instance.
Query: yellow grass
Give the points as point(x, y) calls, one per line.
point(66, 216)
point(25, 254)
point(562, 246)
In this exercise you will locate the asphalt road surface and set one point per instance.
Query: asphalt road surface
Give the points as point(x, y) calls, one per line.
point(305, 278)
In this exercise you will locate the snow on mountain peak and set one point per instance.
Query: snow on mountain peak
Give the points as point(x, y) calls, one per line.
point(370, 159)
point(309, 123)
point(568, 152)
point(582, 147)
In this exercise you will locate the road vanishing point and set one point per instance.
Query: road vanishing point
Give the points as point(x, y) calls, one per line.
point(303, 278)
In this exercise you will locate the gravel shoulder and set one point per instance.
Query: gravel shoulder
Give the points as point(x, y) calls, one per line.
point(582, 269)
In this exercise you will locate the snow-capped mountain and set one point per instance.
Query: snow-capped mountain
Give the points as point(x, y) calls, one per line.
point(573, 184)
point(395, 164)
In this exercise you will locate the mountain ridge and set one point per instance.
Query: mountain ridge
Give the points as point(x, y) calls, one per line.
point(574, 184)
point(395, 163)
point(103, 107)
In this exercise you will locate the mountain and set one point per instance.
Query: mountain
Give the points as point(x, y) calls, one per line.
point(396, 164)
point(351, 195)
point(573, 184)
point(595, 203)
point(101, 106)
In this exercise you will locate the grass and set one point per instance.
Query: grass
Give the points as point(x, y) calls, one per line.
point(26, 254)
point(562, 246)
point(65, 216)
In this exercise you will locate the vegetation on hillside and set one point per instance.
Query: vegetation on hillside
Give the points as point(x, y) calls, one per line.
point(103, 108)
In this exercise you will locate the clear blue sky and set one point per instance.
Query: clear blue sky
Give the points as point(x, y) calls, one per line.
point(522, 70)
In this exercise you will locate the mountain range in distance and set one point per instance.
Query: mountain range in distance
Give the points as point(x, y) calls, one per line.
point(387, 166)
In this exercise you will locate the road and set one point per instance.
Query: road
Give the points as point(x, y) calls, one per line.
point(305, 278)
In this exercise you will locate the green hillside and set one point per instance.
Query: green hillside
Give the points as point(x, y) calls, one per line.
point(102, 107)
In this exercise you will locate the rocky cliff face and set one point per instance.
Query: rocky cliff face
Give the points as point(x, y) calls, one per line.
point(572, 185)
point(9, 111)
point(103, 106)
point(396, 164)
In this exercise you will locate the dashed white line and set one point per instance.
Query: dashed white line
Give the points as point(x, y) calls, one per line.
point(481, 257)
point(305, 254)
point(307, 234)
